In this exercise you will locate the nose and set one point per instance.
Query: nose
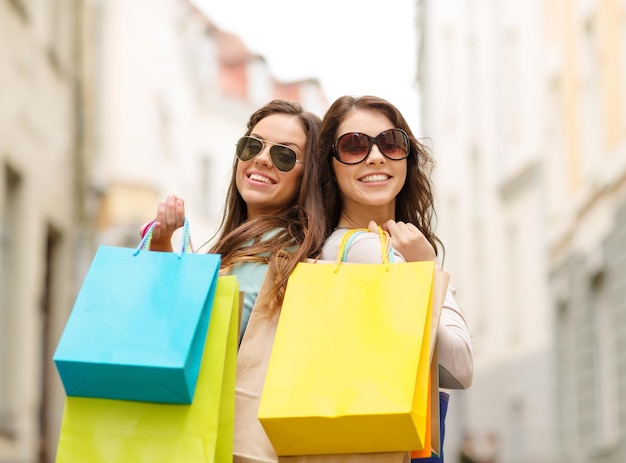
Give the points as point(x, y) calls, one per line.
point(375, 156)
point(263, 158)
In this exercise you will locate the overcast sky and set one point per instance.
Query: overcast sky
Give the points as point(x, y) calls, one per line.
point(352, 47)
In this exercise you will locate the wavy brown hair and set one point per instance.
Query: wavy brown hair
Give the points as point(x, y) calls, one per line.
point(320, 199)
point(239, 239)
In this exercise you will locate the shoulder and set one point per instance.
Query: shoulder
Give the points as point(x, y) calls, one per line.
point(264, 249)
point(271, 233)
point(364, 248)
point(331, 245)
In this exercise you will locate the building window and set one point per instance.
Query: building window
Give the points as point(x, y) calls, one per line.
point(592, 114)
point(604, 361)
point(50, 276)
point(514, 276)
point(206, 185)
point(20, 7)
point(478, 234)
point(518, 444)
point(449, 77)
point(512, 94)
point(165, 117)
point(9, 253)
point(565, 370)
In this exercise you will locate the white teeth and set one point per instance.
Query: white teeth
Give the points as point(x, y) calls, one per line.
point(375, 178)
point(261, 178)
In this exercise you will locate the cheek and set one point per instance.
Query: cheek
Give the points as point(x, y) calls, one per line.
point(240, 178)
point(292, 184)
point(341, 174)
point(238, 175)
point(403, 172)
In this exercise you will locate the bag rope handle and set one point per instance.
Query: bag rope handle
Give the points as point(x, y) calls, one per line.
point(146, 240)
point(350, 235)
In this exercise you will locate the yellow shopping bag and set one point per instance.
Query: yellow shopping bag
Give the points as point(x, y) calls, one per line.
point(349, 369)
point(112, 431)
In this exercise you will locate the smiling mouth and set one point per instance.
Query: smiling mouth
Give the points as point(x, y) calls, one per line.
point(261, 178)
point(375, 178)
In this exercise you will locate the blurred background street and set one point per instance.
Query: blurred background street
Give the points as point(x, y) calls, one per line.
point(107, 106)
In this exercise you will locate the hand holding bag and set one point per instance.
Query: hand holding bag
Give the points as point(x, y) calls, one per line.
point(138, 325)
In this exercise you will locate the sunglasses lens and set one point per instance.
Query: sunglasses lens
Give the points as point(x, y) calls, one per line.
point(393, 143)
point(284, 158)
point(352, 148)
point(248, 147)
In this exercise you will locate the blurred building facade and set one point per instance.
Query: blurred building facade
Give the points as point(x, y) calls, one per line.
point(526, 105)
point(40, 167)
point(106, 108)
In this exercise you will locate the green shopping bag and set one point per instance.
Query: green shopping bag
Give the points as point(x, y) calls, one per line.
point(120, 431)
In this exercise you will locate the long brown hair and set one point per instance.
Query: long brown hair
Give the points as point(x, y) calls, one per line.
point(320, 198)
point(239, 239)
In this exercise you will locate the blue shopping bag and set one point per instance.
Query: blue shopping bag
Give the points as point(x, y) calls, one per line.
point(444, 398)
point(138, 325)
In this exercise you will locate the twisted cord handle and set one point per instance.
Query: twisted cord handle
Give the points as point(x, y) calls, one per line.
point(350, 235)
point(146, 240)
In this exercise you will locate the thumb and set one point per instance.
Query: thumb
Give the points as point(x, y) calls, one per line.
point(373, 227)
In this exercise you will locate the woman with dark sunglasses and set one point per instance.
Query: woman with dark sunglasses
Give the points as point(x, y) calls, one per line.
point(261, 217)
point(369, 171)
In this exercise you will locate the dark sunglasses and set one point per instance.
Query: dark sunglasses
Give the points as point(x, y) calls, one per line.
point(355, 147)
point(283, 157)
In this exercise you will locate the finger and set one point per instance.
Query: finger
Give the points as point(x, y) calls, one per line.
point(174, 212)
point(402, 229)
point(180, 212)
point(170, 211)
point(372, 227)
point(392, 227)
point(161, 208)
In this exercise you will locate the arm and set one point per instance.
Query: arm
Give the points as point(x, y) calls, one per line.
point(454, 346)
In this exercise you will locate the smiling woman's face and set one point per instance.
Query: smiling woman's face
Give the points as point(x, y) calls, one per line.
point(369, 189)
point(265, 189)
